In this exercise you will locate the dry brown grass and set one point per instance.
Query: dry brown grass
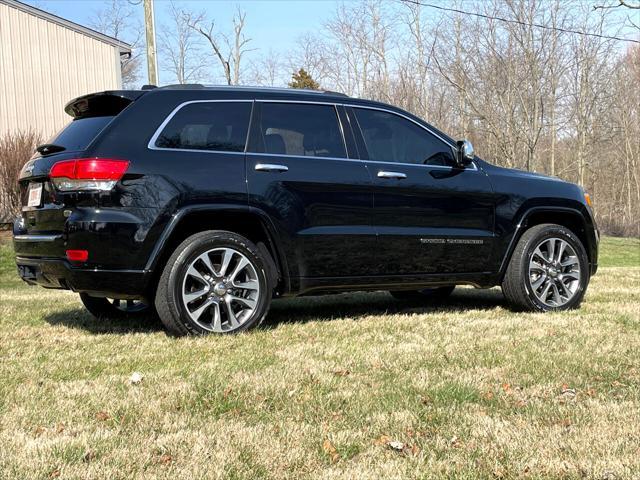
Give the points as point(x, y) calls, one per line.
point(470, 389)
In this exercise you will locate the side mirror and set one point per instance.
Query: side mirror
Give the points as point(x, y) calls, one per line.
point(465, 153)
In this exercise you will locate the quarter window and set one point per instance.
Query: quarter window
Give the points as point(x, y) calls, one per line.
point(219, 126)
point(391, 138)
point(309, 130)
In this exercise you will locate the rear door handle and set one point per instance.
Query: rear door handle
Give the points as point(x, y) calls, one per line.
point(270, 167)
point(395, 175)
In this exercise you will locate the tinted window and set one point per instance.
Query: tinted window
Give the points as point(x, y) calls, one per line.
point(78, 134)
point(301, 129)
point(220, 126)
point(391, 138)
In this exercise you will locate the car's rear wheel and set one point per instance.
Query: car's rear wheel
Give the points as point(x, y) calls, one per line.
point(215, 282)
point(101, 307)
point(549, 270)
point(431, 294)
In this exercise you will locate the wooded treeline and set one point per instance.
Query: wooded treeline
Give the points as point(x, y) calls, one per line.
point(532, 97)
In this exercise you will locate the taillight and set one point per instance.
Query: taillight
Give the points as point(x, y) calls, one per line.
point(87, 174)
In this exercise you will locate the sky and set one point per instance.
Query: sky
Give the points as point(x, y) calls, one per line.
point(270, 24)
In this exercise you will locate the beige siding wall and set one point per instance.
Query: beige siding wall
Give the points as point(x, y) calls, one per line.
point(43, 65)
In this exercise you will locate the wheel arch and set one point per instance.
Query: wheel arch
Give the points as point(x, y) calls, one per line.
point(249, 222)
point(569, 217)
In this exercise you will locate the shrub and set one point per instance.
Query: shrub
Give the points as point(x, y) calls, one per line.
point(15, 149)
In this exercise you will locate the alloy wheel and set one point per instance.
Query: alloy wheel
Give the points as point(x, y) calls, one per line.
point(554, 272)
point(220, 290)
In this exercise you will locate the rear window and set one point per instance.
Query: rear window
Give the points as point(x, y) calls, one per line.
point(217, 126)
point(78, 134)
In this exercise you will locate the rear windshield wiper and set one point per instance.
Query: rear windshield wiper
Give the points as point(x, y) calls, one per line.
point(49, 148)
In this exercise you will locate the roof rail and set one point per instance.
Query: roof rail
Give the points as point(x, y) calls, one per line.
point(194, 86)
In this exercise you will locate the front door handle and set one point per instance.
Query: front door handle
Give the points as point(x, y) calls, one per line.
point(395, 175)
point(270, 167)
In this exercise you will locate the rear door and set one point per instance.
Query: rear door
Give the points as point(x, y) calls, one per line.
point(300, 173)
point(430, 215)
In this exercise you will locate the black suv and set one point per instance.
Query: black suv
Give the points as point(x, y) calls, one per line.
point(201, 204)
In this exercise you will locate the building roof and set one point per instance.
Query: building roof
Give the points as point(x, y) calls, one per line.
point(124, 47)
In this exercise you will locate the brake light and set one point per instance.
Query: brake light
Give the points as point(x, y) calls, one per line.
point(77, 255)
point(88, 174)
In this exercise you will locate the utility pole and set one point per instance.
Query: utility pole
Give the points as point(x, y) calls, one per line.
point(152, 64)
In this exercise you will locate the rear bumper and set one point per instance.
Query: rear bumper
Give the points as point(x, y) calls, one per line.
point(57, 273)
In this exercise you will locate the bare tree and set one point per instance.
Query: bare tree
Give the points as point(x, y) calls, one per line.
point(117, 20)
point(179, 44)
point(229, 50)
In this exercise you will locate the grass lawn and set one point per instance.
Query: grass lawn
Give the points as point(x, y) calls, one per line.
point(345, 386)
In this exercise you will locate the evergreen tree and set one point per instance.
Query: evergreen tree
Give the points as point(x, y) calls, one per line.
point(302, 79)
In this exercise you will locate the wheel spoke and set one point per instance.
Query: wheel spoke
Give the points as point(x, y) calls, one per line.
point(573, 275)
point(217, 318)
point(191, 296)
point(561, 249)
point(551, 249)
point(207, 263)
point(536, 284)
point(197, 313)
point(227, 255)
point(555, 293)
point(538, 252)
point(545, 292)
point(239, 267)
point(197, 275)
point(233, 320)
point(571, 260)
point(249, 285)
point(246, 301)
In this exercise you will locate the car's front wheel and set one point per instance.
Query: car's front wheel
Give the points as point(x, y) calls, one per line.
point(548, 270)
point(215, 282)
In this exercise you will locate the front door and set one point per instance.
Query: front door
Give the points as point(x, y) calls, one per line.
point(430, 215)
point(298, 171)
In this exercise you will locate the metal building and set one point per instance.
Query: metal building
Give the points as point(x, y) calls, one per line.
point(45, 61)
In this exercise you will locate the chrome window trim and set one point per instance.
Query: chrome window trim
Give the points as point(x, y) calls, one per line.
point(152, 143)
point(340, 126)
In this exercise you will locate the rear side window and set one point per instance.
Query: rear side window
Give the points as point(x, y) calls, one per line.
point(306, 130)
point(78, 134)
point(218, 126)
point(391, 138)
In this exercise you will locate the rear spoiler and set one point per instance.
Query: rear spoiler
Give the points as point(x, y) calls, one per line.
point(100, 104)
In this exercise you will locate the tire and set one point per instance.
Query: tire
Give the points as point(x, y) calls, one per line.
point(543, 275)
point(198, 295)
point(437, 294)
point(101, 307)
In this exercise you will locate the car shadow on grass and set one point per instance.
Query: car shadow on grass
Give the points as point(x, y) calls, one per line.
point(359, 305)
point(303, 309)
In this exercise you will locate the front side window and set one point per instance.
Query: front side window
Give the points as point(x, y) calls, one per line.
point(391, 138)
point(307, 130)
point(218, 126)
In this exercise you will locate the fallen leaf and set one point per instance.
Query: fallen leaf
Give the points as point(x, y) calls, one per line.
point(136, 378)
point(88, 456)
point(54, 473)
point(165, 459)
point(506, 387)
point(102, 416)
point(341, 373)
point(382, 440)
point(330, 450)
point(226, 392)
